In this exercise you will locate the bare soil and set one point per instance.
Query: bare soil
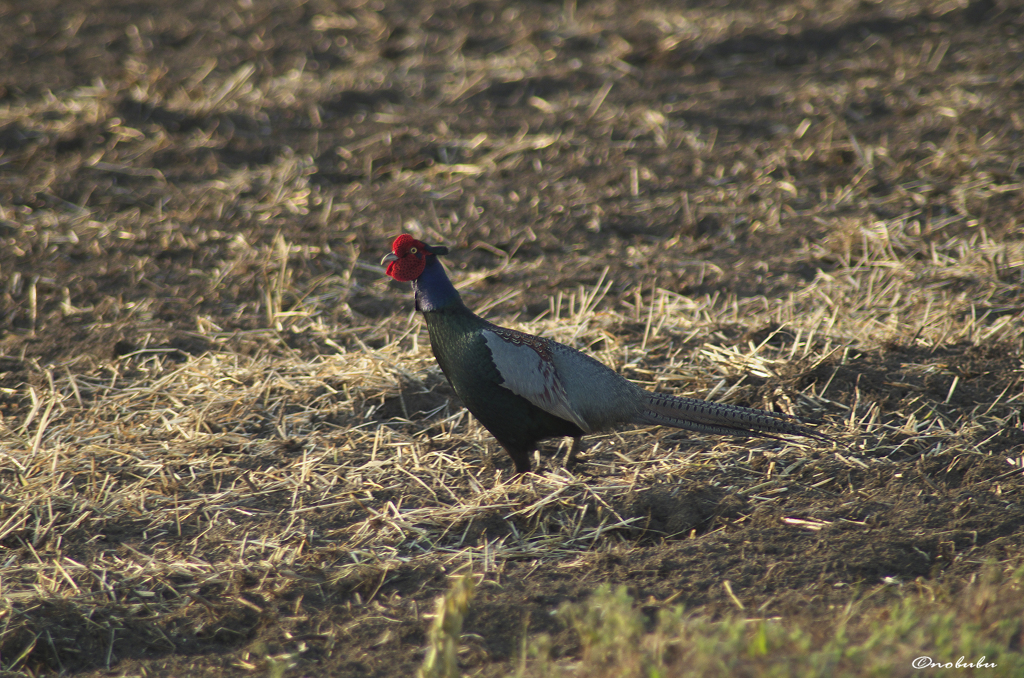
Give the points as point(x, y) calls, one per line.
point(805, 206)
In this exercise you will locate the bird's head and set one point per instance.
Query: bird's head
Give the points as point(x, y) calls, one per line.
point(408, 258)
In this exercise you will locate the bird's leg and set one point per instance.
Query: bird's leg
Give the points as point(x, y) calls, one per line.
point(520, 458)
point(573, 456)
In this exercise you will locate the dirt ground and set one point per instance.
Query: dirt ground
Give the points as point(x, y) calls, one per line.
point(223, 442)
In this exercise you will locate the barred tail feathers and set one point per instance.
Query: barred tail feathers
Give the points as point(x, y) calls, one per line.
point(718, 418)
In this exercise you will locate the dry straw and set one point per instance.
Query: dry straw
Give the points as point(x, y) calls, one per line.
point(239, 478)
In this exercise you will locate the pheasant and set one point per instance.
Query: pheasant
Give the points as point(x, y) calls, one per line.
point(524, 388)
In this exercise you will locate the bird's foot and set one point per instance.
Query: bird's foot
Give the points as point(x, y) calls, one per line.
point(573, 456)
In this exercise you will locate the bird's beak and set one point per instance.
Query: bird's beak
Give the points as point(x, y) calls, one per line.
point(388, 258)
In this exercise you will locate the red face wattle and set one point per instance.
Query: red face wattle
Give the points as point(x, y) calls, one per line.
point(408, 258)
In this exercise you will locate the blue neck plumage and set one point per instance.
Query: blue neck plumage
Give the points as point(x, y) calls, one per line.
point(434, 290)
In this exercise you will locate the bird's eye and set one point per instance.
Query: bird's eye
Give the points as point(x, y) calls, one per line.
point(413, 250)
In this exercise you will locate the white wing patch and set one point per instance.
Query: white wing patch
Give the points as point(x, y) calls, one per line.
point(526, 369)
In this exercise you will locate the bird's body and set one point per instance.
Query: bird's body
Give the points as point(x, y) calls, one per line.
point(525, 388)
